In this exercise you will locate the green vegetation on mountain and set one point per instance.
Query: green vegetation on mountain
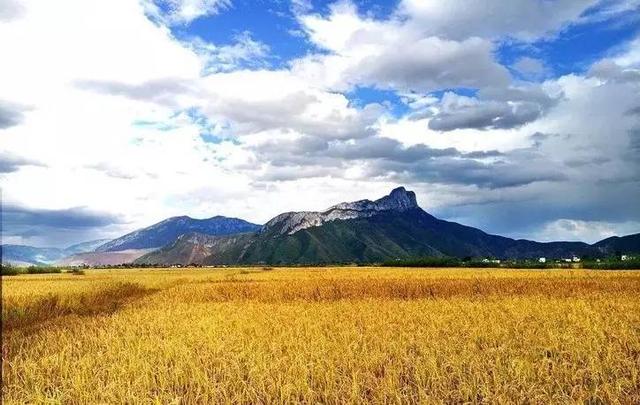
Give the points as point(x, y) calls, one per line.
point(389, 235)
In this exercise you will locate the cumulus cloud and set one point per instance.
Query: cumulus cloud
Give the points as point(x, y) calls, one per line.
point(253, 101)
point(492, 109)
point(47, 227)
point(11, 9)
point(113, 171)
point(521, 19)
point(503, 173)
point(392, 54)
point(465, 112)
point(586, 231)
point(10, 163)
point(263, 100)
point(306, 149)
point(162, 91)
point(11, 114)
point(133, 107)
point(76, 217)
point(623, 66)
point(527, 212)
point(630, 54)
point(608, 69)
point(183, 11)
point(428, 64)
point(378, 157)
point(530, 68)
point(244, 52)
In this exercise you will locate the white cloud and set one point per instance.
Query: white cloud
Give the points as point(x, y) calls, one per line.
point(85, 44)
point(10, 10)
point(585, 231)
point(11, 114)
point(183, 11)
point(255, 101)
point(531, 68)
point(522, 19)
point(457, 112)
point(107, 116)
point(68, 128)
point(392, 54)
point(113, 118)
point(630, 57)
point(245, 52)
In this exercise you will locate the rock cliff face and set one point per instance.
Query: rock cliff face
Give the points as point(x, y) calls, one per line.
point(291, 222)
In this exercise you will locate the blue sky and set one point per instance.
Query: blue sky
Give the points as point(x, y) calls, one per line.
point(274, 23)
point(572, 49)
point(519, 117)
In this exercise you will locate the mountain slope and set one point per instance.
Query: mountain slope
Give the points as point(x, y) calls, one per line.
point(399, 200)
point(195, 248)
point(85, 247)
point(31, 255)
point(167, 231)
point(622, 244)
point(393, 227)
point(102, 258)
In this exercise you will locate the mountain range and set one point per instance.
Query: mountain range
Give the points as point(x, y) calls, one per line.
point(31, 255)
point(167, 231)
point(390, 228)
point(126, 248)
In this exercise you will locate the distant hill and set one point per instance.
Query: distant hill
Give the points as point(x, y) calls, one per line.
point(131, 246)
point(196, 248)
point(30, 255)
point(167, 231)
point(390, 228)
point(102, 258)
point(393, 227)
point(85, 246)
point(622, 244)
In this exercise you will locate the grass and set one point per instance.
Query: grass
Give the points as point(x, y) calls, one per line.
point(631, 264)
point(329, 335)
point(9, 270)
point(450, 262)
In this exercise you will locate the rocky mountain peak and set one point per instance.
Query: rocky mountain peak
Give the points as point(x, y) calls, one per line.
point(399, 199)
point(288, 223)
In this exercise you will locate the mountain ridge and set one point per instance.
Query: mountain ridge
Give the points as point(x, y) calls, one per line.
point(291, 222)
point(392, 227)
point(166, 231)
point(39, 256)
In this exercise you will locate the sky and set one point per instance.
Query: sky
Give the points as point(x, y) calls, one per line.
point(520, 117)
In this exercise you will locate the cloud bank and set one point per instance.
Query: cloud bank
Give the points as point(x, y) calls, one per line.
point(151, 119)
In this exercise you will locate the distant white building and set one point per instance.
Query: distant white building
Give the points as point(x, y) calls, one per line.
point(575, 259)
point(624, 257)
point(542, 260)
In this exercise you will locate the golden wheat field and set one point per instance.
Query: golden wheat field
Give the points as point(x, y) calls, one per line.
point(322, 335)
